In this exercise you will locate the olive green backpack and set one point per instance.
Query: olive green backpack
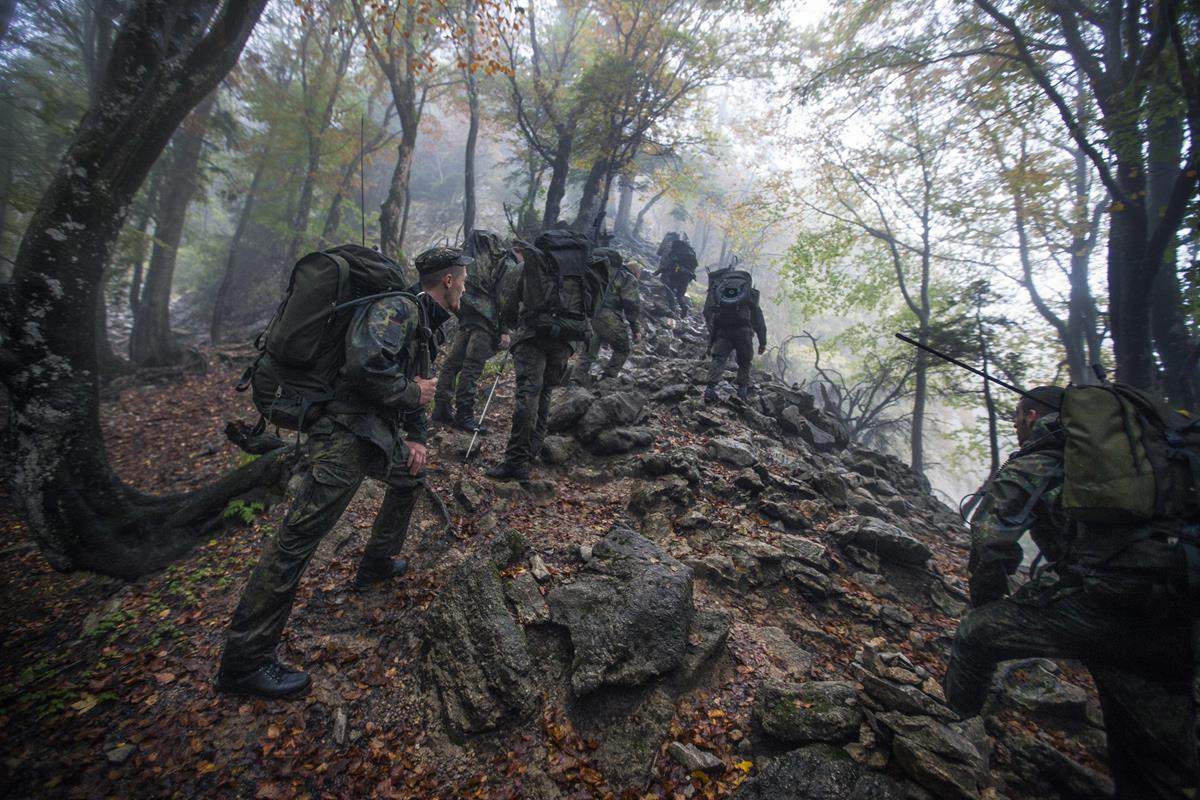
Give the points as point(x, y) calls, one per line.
point(1128, 459)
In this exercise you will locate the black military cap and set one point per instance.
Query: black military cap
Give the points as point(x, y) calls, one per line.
point(436, 259)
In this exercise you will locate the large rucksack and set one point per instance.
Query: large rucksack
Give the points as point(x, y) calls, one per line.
point(683, 258)
point(731, 299)
point(563, 285)
point(302, 349)
point(485, 275)
point(1131, 481)
point(1127, 458)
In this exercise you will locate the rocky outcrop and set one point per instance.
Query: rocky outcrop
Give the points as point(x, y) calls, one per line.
point(477, 654)
point(884, 540)
point(628, 613)
point(817, 772)
point(804, 713)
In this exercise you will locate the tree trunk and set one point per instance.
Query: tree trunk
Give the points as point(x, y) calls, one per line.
point(590, 201)
point(165, 59)
point(472, 126)
point(142, 225)
point(152, 344)
point(624, 207)
point(559, 170)
point(216, 332)
point(1171, 337)
point(392, 210)
point(641, 216)
point(920, 396)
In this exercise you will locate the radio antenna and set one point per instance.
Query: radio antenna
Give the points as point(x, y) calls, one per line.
point(362, 175)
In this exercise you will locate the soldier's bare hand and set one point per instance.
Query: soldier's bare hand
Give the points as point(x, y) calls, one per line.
point(505, 341)
point(428, 385)
point(418, 457)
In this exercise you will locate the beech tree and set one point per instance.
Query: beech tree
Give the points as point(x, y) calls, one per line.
point(165, 58)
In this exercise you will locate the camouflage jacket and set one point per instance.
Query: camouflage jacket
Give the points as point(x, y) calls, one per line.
point(1022, 496)
point(624, 298)
point(389, 343)
point(483, 304)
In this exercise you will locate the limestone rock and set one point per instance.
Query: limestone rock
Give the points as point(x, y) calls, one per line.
point(531, 607)
point(802, 713)
point(470, 494)
point(622, 440)
point(610, 411)
point(477, 655)
point(628, 613)
point(732, 451)
point(817, 772)
point(787, 660)
point(891, 544)
point(568, 408)
point(938, 756)
point(693, 759)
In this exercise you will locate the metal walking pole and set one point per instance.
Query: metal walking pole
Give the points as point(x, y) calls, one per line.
point(486, 405)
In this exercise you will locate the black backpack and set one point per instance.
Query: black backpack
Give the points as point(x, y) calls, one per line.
point(485, 275)
point(731, 298)
point(563, 285)
point(683, 258)
point(302, 349)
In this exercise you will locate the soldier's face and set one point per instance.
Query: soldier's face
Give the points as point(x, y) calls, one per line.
point(455, 286)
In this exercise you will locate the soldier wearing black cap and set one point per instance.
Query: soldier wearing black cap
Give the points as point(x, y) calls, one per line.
point(374, 428)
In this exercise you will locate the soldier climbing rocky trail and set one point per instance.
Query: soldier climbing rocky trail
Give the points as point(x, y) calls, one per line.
point(686, 600)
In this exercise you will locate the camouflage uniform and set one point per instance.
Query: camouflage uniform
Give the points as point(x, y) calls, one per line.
point(477, 340)
point(361, 435)
point(622, 303)
point(540, 364)
point(1106, 614)
point(736, 338)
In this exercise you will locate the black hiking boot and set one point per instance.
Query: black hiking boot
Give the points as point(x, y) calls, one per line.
point(710, 395)
point(373, 570)
point(441, 414)
point(505, 471)
point(467, 423)
point(743, 393)
point(272, 680)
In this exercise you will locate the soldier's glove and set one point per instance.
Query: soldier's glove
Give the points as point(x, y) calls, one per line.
point(762, 348)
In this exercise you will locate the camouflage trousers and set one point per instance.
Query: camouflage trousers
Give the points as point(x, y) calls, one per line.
point(338, 460)
point(539, 366)
point(678, 283)
point(471, 349)
point(607, 328)
point(739, 341)
point(1079, 625)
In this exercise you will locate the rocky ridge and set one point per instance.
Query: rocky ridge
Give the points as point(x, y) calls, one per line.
point(761, 559)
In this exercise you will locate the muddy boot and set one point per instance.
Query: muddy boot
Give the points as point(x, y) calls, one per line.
point(710, 394)
point(441, 414)
point(466, 422)
point(505, 471)
point(743, 393)
point(374, 570)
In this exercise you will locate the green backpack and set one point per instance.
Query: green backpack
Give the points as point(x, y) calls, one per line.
point(302, 349)
point(485, 275)
point(563, 285)
point(1127, 458)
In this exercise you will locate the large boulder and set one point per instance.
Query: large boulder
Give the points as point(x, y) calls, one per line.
point(628, 613)
point(610, 411)
point(477, 655)
point(885, 540)
point(731, 451)
point(568, 408)
point(817, 772)
point(803, 713)
point(938, 756)
point(622, 440)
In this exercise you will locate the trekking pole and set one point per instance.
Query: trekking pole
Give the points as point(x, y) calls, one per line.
point(487, 404)
point(968, 368)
